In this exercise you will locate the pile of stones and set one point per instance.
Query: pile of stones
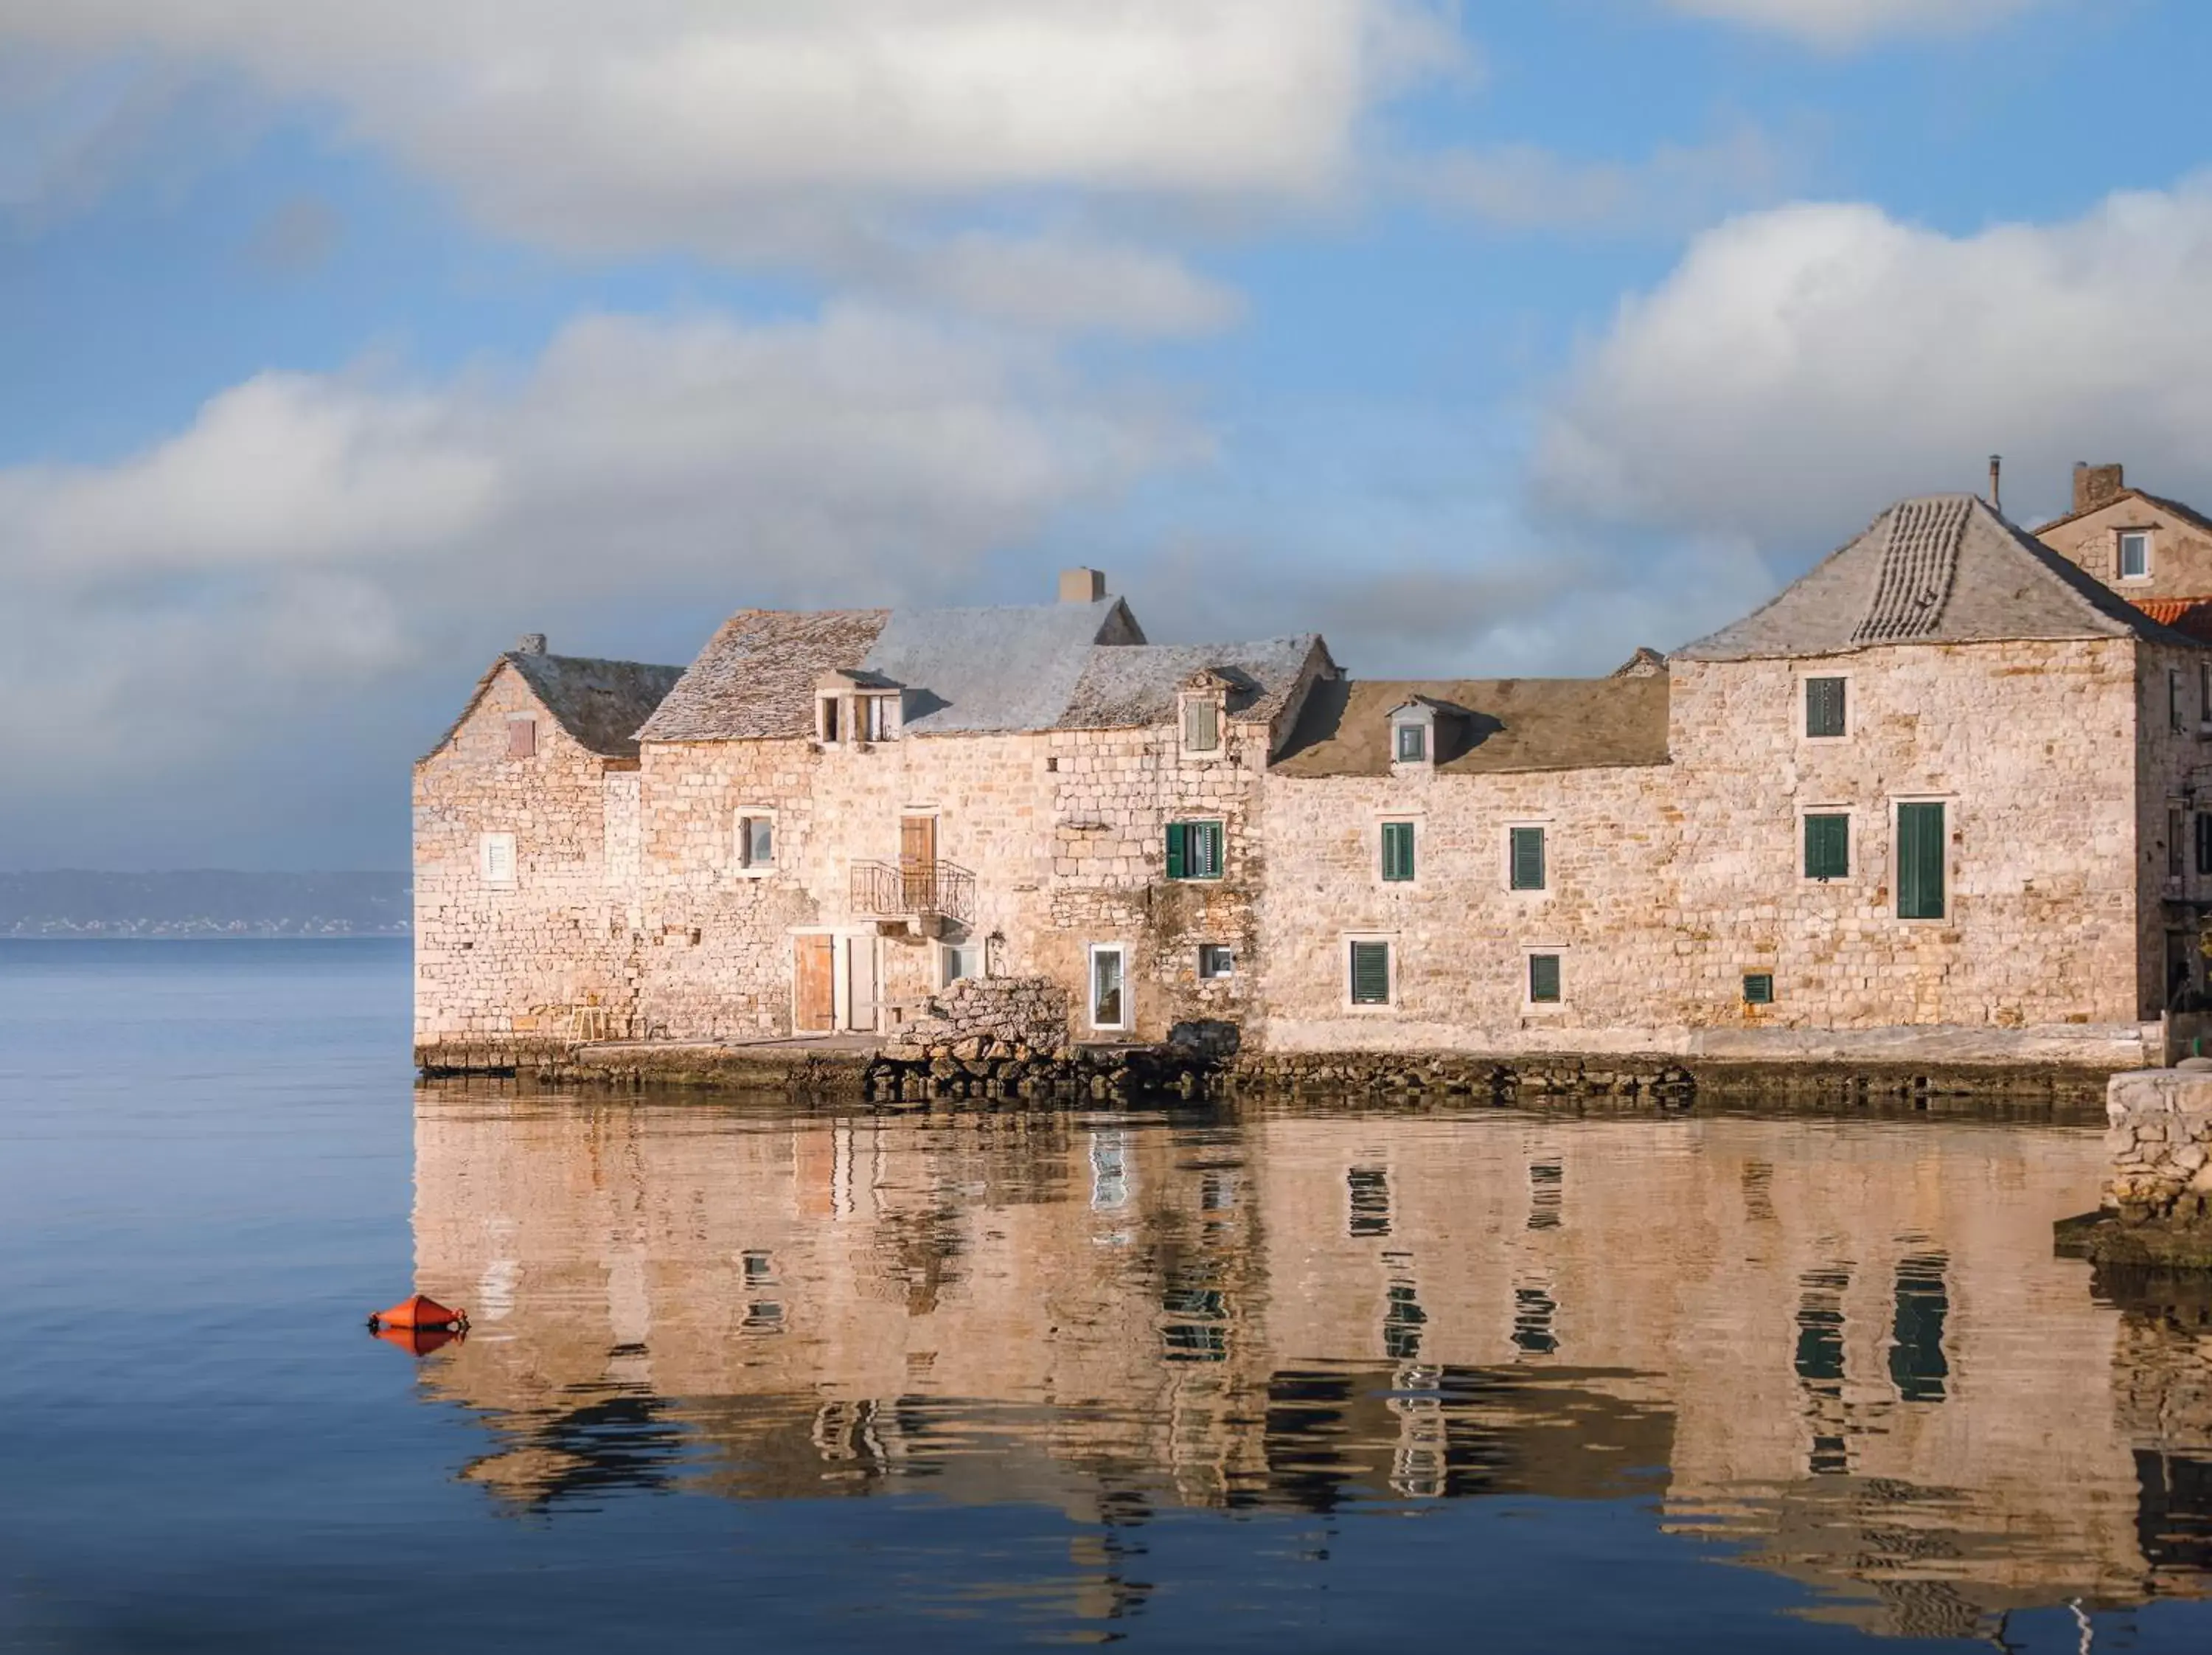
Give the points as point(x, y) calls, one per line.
point(1005, 1011)
point(1003, 1071)
point(1452, 1075)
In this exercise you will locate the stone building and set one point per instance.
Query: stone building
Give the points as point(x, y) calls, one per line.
point(2153, 552)
point(1937, 798)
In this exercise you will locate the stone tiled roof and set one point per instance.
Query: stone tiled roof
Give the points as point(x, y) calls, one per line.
point(755, 677)
point(1009, 668)
point(1129, 687)
point(599, 702)
point(1485, 725)
point(1945, 569)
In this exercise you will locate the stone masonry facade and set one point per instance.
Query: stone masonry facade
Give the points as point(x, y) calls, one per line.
point(1169, 839)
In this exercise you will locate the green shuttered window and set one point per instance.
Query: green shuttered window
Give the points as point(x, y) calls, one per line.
point(1828, 847)
point(1195, 850)
point(1920, 857)
point(1370, 973)
point(1758, 988)
point(1544, 979)
point(1823, 706)
point(1527, 859)
point(1397, 851)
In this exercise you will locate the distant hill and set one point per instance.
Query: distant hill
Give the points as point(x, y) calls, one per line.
point(203, 902)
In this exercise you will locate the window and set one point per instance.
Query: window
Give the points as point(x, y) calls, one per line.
point(1201, 725)
point(2204, 698)
point(2135, 555)
point(830, 733)
point(756, 839)
point(1544, 980)
point(1824, 708)
point(1758, 988)
point(1525, 859)
point(1920, 859)
point(1216, 960)
point(1109, 1008)
point(2205, 842)
point(1195, 850)
point(1370, 973)
point(522, 738)
point(956, 960)
point(2174, 699)
point(2174, 865)
point(877, 724)
point(1828, 847)
point(1412, 744)
point(495, 858)
point(1397, 852)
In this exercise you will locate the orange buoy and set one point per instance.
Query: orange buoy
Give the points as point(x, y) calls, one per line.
point(421, 1341)
point(420, 1312)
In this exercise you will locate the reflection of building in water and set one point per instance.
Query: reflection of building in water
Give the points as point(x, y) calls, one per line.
point(1847, 1348)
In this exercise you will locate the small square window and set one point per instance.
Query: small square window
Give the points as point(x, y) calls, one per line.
point(1216, 960)
point(1824, 709)
point(1412, 744)
point(1370, 973)
point(1202, 726)
point(1543, 979)
point(756, 842)
point(1758, 988)
point(2135, 555)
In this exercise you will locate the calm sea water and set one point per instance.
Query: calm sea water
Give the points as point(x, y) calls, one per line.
point(743, 1377)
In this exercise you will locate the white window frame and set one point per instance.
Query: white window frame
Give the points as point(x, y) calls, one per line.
point(1091, 988)
point(1797, 704)
point(1229, 976)
point(1390, 941)
point(948, 951)
point(1531, 1007)
point(1421, 718)
point(2120, 538)
point(741, 861)
point(487, 846)
point(1850, 840)
point(822, 714)
point(1541, 894)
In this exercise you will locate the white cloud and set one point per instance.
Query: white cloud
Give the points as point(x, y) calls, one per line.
point(1801, 368)
point(1840, 25)
point(766, 130)
point(1525, 186)
point(309, 541)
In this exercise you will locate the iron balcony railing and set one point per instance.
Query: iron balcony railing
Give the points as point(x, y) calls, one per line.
point(898, 890)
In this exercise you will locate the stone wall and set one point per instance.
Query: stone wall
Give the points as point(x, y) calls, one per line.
point(1668, 885)
point(551, 953)
point(1027, 1012)
point(2160, 1142)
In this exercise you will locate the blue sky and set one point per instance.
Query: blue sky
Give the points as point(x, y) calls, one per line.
point(337, 345)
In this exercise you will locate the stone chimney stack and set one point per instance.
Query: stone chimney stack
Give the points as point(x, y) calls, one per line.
point(530, 643)
point(2094, 484)
point(1082, 585)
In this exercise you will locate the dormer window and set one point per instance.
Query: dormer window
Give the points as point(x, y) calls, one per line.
point(831, 726)
point(2134, 554)
point(878, 718)
point(1413, 735)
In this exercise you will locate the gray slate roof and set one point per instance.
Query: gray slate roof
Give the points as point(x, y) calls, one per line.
point(1126, 688)
point(599, 702)
point(1009, 668)
point(1484, 725)
point(755, 678)
point(1942, 570)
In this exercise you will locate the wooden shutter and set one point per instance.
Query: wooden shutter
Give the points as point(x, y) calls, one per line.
point(1528, 859)
point(1544, 979)
point(1370, 973)
point(1397, 851)
point(1828, 847)
point(522, 738)
point(1178, 850)
point(1823, 706)
point(1201, 725)
point(1920, 858)
point(1208, 850)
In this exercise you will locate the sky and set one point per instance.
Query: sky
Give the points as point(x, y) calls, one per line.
point(340, 343)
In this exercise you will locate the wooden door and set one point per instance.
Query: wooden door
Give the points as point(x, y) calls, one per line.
point(917, 860)
point(815, 1010)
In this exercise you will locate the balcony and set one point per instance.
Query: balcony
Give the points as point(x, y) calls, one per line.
point(923, 894)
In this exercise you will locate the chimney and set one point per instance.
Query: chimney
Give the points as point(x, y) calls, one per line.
point(2095, 484)
point(530, 643)
point(1996, 475)
point(1081, 586)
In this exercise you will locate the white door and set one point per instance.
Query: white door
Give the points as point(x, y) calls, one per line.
point(860, 983)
